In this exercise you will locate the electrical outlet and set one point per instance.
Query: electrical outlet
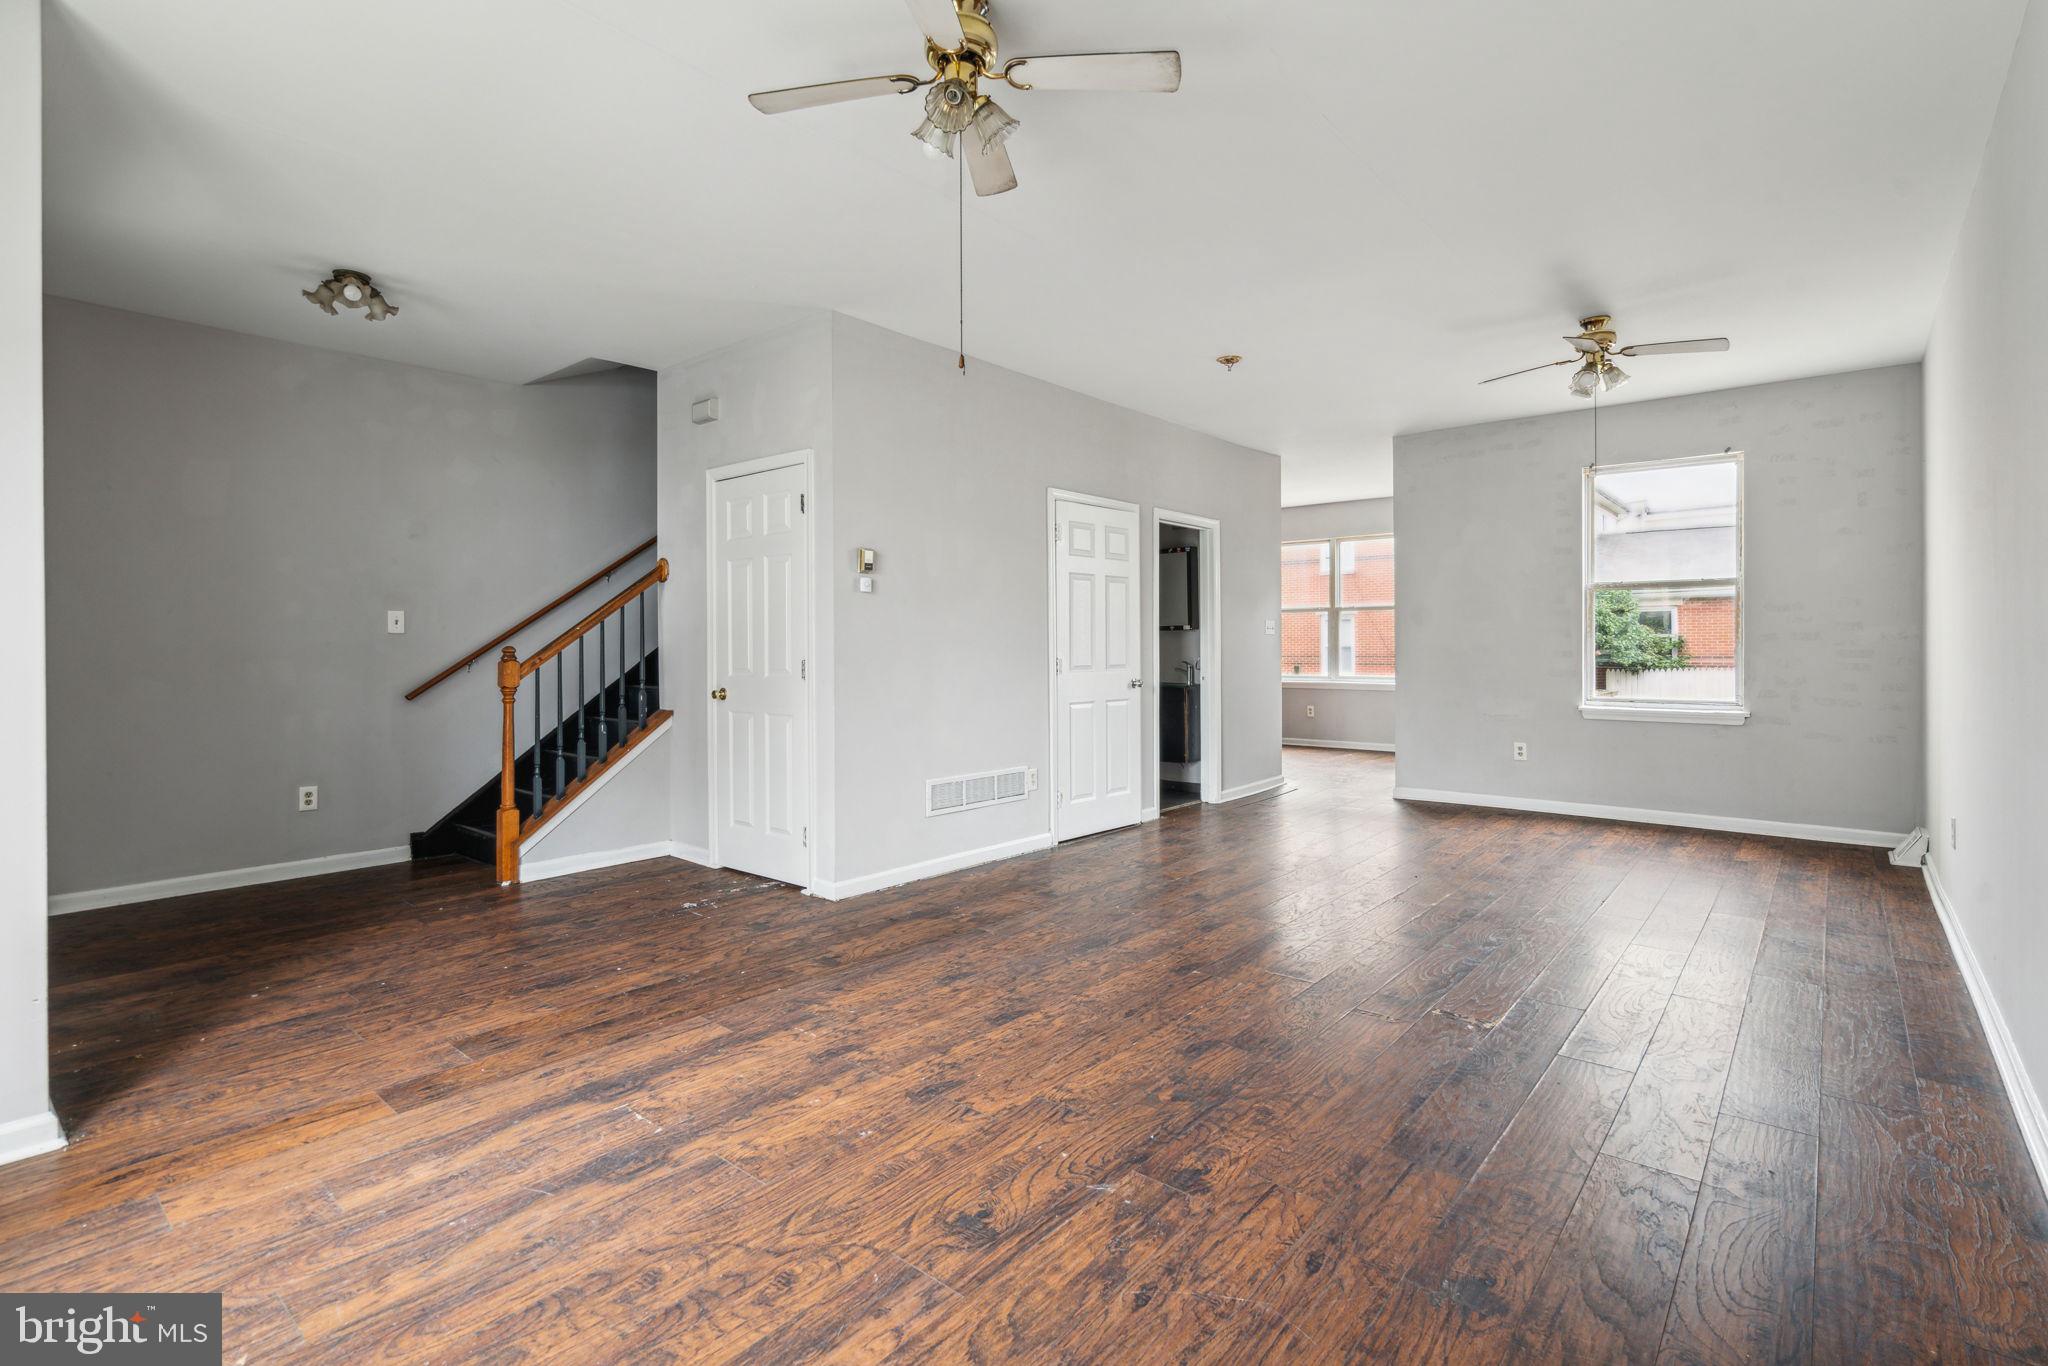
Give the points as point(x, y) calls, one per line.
point(1272, 627)
point(1311, 709)
point(1521, 751)
point(1031, 780)
point(309, 799)
point(394, 623)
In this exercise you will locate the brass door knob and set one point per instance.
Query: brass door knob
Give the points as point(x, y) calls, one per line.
point(718, 694)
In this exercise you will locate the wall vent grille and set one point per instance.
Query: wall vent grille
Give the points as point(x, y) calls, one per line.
point(943, 796)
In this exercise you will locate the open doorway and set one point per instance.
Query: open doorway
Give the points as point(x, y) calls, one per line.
point(1187, 661)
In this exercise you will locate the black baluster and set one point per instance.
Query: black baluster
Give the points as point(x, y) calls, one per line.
point(624, 710)
point(561, 760)
point(604, 725)
point(656, 652)
point(536, 743)
point(582, 716)
point(645, 710)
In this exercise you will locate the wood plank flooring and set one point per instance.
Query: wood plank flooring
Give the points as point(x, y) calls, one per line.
point(1315, 1076)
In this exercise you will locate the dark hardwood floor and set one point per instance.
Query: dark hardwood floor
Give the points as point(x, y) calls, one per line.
point(1314, 1076)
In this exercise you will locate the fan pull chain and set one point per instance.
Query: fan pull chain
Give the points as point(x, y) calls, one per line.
point(1596, 432)
point(961, 142)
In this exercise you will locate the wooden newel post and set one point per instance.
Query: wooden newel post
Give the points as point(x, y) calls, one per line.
point(508, 809)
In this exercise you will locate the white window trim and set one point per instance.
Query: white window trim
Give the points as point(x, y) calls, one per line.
point(1371, 683)
point(1334, 610)
point(1691, 713)
point(1685, 712)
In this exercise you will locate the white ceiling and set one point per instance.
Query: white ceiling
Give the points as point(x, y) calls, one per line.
point(1377, 204)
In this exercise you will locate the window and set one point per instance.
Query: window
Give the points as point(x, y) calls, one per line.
point(1663, 609)
point(1337, 610)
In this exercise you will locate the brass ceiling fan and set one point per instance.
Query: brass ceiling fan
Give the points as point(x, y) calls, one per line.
point(960, 48)
point(1594, 351)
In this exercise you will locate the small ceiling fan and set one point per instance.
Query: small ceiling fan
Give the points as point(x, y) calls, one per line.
point(1594, 352)
point(960, 48)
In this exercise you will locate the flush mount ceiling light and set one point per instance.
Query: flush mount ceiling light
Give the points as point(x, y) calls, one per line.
point(350, 289)
point(1593, 351)
point(1229, 363)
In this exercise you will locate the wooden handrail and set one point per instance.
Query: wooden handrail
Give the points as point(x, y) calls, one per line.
point(512, 673)
point(495, 641)
point(658, 574)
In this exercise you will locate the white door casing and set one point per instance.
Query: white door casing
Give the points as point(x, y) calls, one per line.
point(760, 622)
point(1099, 701)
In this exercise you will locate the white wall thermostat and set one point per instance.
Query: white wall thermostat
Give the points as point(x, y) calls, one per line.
point(867, 583)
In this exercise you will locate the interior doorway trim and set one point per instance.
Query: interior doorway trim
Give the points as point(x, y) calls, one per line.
point(712, 477)
point(1210, 609)
point(1053, 498)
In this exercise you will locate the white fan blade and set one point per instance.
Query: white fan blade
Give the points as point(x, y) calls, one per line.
point(1547, 365)
point(991, 171)
point(1158, 72)
point(1585, 345)
point(940, 22)
point(832, 92)
point(1677, 347)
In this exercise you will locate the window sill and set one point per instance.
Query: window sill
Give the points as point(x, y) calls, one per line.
point(1340, 684)
point(1641, 711)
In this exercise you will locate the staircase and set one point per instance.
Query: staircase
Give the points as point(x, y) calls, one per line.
point(605, 728)
point(584, 720)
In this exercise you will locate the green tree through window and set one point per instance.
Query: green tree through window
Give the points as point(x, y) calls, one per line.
point(1622, 641)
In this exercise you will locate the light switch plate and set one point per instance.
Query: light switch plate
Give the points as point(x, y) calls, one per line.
point(394, 623)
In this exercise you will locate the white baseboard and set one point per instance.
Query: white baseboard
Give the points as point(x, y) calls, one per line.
point(63, 903)
point(916, 872)
point(1232, 794)
point(1741, 825)
point(2019, 1087)
point(1376, 746)
point(541, 869)
point(692, 853)
point(30, 1137)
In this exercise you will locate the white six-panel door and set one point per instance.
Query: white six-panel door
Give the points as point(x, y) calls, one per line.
point(1099, 706)
point(760, 614)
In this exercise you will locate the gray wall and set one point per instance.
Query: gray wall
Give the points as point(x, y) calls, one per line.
point(943, 669)
point(1489, 525)
point(24, 959)
point(775, 398)
point(1345, 713)
point(231, 517)
point(1987, 564)
point(630, 811)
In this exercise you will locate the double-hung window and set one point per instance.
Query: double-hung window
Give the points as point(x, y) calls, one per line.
point(1663, 590)
point(1337, 610)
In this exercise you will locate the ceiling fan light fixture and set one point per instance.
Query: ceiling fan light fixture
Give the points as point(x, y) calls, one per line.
point(1612, 377)
point(949, 105)
point(1586, 380)
point(993, 125)
point(937, 141)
